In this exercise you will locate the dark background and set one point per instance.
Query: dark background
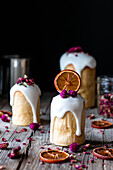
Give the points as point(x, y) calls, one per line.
point(44, 31)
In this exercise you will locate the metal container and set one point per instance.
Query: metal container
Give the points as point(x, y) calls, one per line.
point(18, 68)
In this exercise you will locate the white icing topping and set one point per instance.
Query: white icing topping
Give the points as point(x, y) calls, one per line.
point(79, 62)
point(59, 106)
point(31, 93)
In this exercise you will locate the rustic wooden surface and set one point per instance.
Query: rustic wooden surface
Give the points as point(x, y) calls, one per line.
point(29, 159)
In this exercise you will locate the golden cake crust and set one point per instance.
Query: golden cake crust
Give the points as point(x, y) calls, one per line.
point(87, 89)
point(22, 111)
point(64, 129)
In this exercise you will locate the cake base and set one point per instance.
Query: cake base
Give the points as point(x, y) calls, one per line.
point(87, 89)
point(22, 111)
point(64, 129)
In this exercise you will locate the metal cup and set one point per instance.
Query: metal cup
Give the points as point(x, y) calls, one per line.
point(18, 68)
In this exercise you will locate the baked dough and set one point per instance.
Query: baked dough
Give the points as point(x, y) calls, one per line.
point(87, 89)
point(22, 111)
point(64, 129)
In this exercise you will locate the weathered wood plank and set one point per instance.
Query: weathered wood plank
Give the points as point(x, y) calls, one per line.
point(30, 153)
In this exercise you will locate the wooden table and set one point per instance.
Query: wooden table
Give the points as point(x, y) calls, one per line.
point(29, 159)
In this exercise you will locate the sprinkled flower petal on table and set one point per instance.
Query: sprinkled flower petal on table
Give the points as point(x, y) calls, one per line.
point(42, 147)
point(49, 148)
point(31, 139)
point(6, 127)
point(7, 130)
point(15, 153)
point(22, 130)
point(74, 146)
point(17, 140)
point(4, 145)
point(92, 116)
point(91, 160)
point(40, 126)
point(3, 139)
point(42, 131)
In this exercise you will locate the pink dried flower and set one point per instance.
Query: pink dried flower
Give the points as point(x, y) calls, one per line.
point(31, 139)
point(17, 149)
point(72, 93)
point(42, 131)
point(75, 49)
point(17, 140)
point(86, 146)
point(34, 126)
point(5, 118)
point(49, 149)
point(25, 81)
point(86, 152)
point(92, 116)
point(7, 130)
point(64, 94)
point(74, 146)
point(40, 126)
point(3, 139)
point(4, 145)
point(15, 153)
point(91, 161)
point(106, 146)
point(22, 130)
point(42, 147)
point(6, 127)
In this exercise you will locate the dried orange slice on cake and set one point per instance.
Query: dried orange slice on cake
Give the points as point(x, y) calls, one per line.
point(68, 80)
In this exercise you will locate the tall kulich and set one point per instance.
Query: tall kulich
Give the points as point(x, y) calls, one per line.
point(85, 65)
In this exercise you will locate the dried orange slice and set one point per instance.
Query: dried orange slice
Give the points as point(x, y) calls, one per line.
point(103, 153)
point(100, 124)
point(68, 80)
point(53, 156)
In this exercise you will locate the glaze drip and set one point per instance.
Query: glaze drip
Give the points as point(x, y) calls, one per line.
point(31, 93)
point(80, 60)
point(59, 106)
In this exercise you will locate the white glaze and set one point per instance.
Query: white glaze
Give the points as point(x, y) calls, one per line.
point(31, 93)
point(59, 106)
point(79, 62)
